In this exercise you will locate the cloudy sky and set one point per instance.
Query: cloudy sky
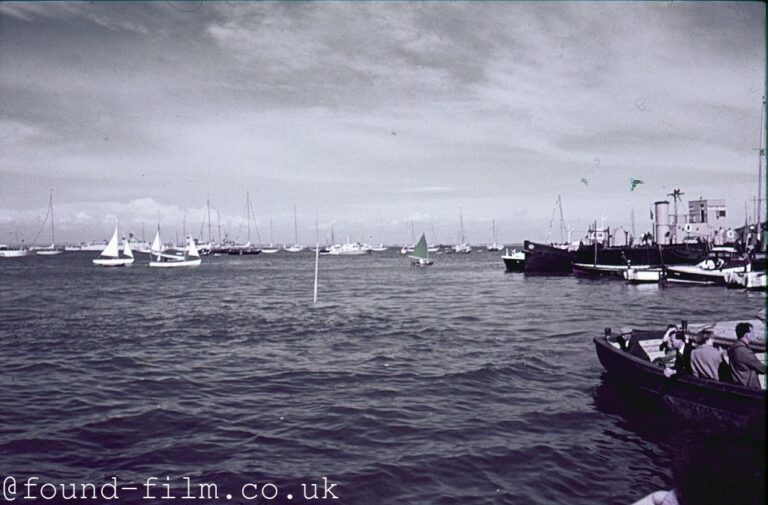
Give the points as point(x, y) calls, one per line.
point(368, 115)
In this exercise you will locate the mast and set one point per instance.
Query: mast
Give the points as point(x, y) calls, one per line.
point(50, 205)
point(295, 225)
point(563, 231)
point(208, 204)
point(248, 214)
point(218, 221)
point(761, 153)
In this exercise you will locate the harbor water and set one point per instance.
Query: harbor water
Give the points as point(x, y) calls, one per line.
point(453, 384)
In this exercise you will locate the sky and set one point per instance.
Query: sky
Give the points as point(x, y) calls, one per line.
point(373, 119)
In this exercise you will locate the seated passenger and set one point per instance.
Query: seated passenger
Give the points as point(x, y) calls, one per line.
point(671, 353)
point(682, 350)
point(630, 344)
point(742, 362)
point(706, 358)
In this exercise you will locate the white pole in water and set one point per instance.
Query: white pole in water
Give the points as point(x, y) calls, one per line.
point(317, 262)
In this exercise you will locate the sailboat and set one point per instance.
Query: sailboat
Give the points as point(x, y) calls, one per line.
point(462, 247)
point(50, 250)
point(247, 248)
point(190, 257)
point(495, 246)
point(271, 249)
point(110, 256)
point(295, 247)
point(420, 255)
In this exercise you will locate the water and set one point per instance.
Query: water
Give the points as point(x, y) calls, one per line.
point(454, 384)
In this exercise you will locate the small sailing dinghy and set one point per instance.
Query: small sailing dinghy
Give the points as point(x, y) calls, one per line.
point(190, 257)
point(420, 255)
point(110, 256)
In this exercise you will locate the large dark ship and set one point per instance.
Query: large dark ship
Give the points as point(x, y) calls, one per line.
point(547, 259)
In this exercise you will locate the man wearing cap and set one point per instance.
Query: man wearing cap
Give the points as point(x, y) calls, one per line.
point(630, 344)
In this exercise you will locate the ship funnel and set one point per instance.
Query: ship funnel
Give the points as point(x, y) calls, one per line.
point(661, 224)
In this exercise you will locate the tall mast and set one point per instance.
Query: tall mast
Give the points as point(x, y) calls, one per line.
point(295, 225)
point(208, 204)
point(761, 153)
point(248, 214)
point(50, 205)
point(218, 220)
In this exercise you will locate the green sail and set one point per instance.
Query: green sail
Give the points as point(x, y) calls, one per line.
point(420, 251)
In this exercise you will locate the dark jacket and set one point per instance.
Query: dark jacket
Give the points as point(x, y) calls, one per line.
point(683, 361)
point(634, 348)
point(744, 365)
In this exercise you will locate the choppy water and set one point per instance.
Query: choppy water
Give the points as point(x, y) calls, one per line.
point(456, 384)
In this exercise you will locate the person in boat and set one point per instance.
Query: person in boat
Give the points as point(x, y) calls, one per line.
point(742, 362)
point(682, 355)
point(706, 360)
point(667, 348)
point(630, 344)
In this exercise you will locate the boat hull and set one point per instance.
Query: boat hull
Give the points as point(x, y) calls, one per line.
point(698, 275)
point(643, 275)
point(542, 258)
point(175, 264)
point(514, 262)
point(754, 281)
point(49, 252)
point(113, 262)
point(690, 397)
point(13, 253)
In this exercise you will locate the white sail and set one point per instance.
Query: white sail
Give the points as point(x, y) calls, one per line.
point(112, 250)
point(193, 252)
point(127, 249)
point(157, 245)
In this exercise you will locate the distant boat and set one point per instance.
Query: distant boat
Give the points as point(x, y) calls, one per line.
point(11, 252)
point(190, 257)
point(348, 249)
point(495, 246)
point(51, 250)
point(295, 247)
point(379, 248)
point(514, 261)
point(271, 249)
point(462, 247)
point(420, 255)
point(110, 256)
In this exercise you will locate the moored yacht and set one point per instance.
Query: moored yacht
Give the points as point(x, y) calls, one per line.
point(712, 270)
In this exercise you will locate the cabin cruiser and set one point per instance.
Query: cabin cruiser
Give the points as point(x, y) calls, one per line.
point(712, 270)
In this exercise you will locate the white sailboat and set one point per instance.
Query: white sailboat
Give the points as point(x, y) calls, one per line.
point(462, 247)
point(420, 255)
point(295, 247)
point(495, 246)
point(110, 256)
point(271, 249)
point(190, 257)
point(51, 250)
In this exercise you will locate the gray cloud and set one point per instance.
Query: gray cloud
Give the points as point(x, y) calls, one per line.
point(354, 110)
